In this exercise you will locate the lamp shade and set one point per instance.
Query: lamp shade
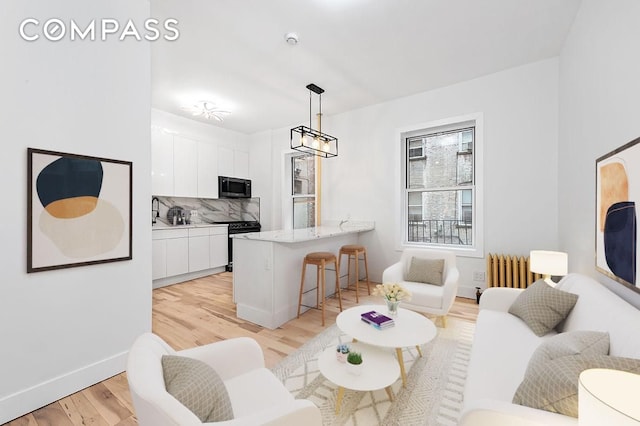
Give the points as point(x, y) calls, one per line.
point(548, 262)
point(608, 397)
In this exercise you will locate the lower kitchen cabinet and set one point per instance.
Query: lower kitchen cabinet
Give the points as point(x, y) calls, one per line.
point(177, 256)
point(159, 259)
point(184, 253)
point(198, 249)
point(170, 252)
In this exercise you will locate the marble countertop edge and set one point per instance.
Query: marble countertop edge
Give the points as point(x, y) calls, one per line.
point(308, 234)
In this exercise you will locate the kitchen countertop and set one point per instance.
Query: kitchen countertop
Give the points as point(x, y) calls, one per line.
point(308, 234)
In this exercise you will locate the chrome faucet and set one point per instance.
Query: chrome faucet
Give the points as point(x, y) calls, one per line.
point(155, 209)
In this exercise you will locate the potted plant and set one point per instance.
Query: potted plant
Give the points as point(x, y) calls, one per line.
point(354, 363)
point(342, 350)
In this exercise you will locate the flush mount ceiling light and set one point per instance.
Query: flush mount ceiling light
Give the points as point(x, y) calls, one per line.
point(207, 109)
point(291, 38)
point(310, 141)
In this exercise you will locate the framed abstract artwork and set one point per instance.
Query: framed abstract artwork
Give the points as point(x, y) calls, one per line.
point(617, 197)
point(79, 210)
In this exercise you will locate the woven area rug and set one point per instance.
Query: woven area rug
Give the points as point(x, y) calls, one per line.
point(432, 396)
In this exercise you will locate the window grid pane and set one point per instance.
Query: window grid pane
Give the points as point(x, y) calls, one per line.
point(303, 175)
point(304, 212)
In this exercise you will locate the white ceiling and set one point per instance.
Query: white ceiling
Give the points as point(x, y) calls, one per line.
point(361, 52)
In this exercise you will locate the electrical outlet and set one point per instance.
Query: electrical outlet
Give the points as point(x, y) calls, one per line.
point(478, 276)
point(194, 213)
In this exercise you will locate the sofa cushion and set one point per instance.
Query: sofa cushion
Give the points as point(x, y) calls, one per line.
point(198, 387)
point(542, 307)
point(502, 347)
point(598, 308)
point(555, 387)
point(255, 391)
point(428, 271)
point(423, 295)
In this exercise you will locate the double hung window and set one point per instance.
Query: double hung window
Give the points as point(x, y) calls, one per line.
point(440, 191)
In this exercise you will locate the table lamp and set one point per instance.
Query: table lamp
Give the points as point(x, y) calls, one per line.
point(548, 263)
point(608, 397)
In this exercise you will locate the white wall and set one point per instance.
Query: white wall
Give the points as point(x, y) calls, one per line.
point(520, 108)
point(260, 170)
point(63, 330)
point(599, 92)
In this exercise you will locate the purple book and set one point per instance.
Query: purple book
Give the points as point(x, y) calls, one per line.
point(376, 318)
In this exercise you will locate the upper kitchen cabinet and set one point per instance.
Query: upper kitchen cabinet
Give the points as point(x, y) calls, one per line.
point(241, 164)
point(207, 170)
point(161, 163)
point(232, 162)
point(225, 161)
point(185, 167)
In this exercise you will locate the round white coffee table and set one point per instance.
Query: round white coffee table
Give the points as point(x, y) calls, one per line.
point(379, 370)
point(410, 329)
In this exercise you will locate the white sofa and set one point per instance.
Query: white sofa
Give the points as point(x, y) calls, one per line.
point(257, 396)
point(503, 345)
point(426, 298)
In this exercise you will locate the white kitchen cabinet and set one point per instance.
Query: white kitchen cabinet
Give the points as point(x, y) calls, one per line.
point(207, 170)
point(218, 246)
point(240, 164)
point(161, 163)
point(184, 253)
point(233, 162)
point(198, 249)
point(177, 255)
point(185, 167)
point(159, 259)
point(225, 161)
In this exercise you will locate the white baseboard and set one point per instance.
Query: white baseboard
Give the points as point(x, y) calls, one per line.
point(467, 292)
point(27, 400)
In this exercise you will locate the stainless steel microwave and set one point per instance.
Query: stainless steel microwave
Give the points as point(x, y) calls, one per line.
point(230, 187)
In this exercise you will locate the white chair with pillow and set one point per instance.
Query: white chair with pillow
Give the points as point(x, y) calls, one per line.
point(432, 278)
point(222, 383)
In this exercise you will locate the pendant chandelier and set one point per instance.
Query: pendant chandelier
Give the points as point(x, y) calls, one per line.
point(306, 139)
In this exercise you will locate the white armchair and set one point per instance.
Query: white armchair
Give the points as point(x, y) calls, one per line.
point(426, 298)
point(257, 396)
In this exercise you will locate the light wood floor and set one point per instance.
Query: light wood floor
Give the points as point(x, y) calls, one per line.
point(192, 314)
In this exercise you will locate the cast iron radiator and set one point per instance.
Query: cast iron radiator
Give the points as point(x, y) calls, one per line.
point(509, 271)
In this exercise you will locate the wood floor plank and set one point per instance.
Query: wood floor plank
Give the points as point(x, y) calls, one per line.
point(27, 420)
point(192, 314)
point(109, 407)
point(80, 410)
point(52, 415)
point(120, 389)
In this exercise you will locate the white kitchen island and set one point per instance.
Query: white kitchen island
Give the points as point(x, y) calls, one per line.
point(267, 267)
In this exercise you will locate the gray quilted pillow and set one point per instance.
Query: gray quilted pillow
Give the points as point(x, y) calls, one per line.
point(555, 387)
point(583, 342)
point(198, 387)
point(542, 307)
point(428, 271)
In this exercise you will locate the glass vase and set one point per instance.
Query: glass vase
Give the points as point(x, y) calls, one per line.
point(392, 308)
